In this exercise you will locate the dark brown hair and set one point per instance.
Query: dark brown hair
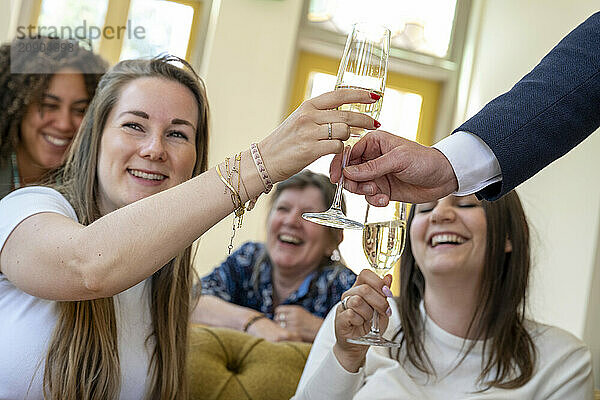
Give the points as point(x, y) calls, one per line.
point(509, 351)
point(83, 360)
point(26, 85)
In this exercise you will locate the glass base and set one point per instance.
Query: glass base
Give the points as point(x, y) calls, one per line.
point(373, 339)
point(333, 218)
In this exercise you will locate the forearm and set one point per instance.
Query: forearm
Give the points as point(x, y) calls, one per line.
point(74, 262)
point(154, 230)
point(547, 113)
point(214, 311)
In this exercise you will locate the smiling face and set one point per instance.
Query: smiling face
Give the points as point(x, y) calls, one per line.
point(48, 127)
point(148, 142)
point(449, 237)
point(293, 243)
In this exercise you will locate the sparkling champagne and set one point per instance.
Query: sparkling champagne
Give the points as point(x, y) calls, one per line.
point(383, 243)
point(371, 110)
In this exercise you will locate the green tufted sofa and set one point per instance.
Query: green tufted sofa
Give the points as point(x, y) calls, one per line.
point(226, 364)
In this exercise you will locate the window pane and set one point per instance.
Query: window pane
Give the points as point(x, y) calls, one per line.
point(399, 114)
point(73, 18)
point(423, 26)
point(167, 26)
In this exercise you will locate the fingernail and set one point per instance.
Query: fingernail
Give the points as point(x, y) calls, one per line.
point(388, 312)
point(381, 202)
point(376, 123)
point(386, 290)
point(374, 96)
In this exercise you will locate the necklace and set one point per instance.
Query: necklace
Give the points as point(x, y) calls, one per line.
point(15, 171)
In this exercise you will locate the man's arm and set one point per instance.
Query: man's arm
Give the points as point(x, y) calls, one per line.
point(547, 113)
point(475, 165)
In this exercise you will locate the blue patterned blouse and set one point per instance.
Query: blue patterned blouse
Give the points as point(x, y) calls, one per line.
point(238, 282)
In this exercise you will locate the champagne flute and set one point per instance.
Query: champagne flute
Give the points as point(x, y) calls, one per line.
point(383, 241)
point(363, 66)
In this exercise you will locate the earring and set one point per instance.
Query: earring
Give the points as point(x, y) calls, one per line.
point(335, 255)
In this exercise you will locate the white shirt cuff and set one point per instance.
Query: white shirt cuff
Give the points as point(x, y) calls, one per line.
point(474, 163)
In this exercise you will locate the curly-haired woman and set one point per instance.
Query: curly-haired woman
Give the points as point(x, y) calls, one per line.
point(45, 87)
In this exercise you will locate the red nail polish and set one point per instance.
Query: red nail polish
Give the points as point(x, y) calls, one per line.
point(374, 96)
point(377, 124)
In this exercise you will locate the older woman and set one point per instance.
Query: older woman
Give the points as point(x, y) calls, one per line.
point(95, 274)
point(290, 279)
point(41, 112)
point(460, 318)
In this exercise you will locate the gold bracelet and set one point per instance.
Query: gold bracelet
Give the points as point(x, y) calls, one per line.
point(235, 197)
point(238, 159)
point(238, 207)
point(251, 200)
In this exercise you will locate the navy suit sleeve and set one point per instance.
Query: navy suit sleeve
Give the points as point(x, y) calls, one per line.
point(547, 113)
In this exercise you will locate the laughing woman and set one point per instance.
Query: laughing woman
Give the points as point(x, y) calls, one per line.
point(95, 272)
point(460, 319)
point(283, 289)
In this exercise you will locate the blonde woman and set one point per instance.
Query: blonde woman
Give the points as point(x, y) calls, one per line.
point(95, 271)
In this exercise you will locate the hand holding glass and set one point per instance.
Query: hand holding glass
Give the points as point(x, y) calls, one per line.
point(363, 66)
point(383, 241)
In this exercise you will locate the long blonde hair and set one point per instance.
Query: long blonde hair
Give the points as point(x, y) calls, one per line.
point(83, 360)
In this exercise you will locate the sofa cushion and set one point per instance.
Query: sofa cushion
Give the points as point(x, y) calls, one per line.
point(226, 364)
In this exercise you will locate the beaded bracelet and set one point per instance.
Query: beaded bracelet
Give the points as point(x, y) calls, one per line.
point(260, 166)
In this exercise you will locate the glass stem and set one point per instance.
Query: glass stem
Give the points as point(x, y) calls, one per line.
point(375, 323)
point(337, 201)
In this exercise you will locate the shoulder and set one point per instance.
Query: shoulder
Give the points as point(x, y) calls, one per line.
point(243, 258)
point(555, 345)
point(339, 273)
point(39, 194)
point(335, 278)
point(564, 363)
point(543, 334)
point(26, 202)
point(248, 249)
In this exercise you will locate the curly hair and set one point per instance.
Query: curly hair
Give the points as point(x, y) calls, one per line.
point(21, 84)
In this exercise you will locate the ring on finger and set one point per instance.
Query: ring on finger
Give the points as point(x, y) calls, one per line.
point(344, 303)
point(329, 131)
